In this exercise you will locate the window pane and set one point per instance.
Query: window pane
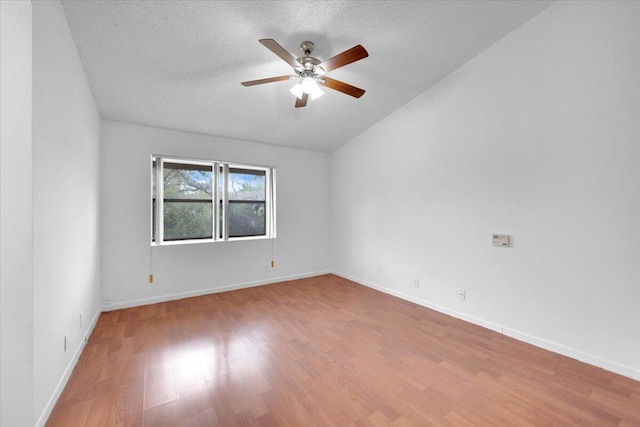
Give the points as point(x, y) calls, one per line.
point(187, 201)
point(187, 220)
point(186, 181)
point(153, 200)
point(247, 195)
point(246, 219)
point(154, 174)
point(246, 184)
point(153, 220)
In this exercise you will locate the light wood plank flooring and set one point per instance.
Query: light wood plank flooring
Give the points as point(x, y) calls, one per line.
point(325, 351)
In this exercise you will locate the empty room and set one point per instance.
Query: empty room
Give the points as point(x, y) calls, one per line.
point(319, 213)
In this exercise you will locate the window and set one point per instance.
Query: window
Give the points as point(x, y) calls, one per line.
point(182, 206)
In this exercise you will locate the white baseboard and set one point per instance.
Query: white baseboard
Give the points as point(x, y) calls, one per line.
point(599, 362)
point(173, 297)
point(453, 313)
point(605, 364)
point(46, 412)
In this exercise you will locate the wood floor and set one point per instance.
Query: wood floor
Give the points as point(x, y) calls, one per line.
point(325, 351)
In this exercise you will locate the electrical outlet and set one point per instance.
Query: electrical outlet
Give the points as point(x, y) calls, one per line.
point(107, 301)
point(415, 283)
point(65, 343)
point(462, 294)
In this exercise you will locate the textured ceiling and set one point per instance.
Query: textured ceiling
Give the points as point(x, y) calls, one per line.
point(179, 64)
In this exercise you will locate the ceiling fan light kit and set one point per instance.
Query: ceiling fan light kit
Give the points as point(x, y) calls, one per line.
point(309, 86)
point(309, 71)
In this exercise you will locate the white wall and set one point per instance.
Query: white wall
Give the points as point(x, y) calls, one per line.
point(16, 254)
point(66, 216)
point(301, 247)
point(537, 137)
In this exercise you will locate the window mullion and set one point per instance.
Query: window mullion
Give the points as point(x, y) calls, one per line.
point(225, 201)
point(215, 201)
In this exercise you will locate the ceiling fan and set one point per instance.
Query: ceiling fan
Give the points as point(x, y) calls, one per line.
point(309, 71)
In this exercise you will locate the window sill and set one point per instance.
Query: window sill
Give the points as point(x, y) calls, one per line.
point(197, 241)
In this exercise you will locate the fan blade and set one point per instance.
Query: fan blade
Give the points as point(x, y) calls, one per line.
point(274, 47)
point(263, 81)
point(343, 87)
point(302, 102)
point(354, 54)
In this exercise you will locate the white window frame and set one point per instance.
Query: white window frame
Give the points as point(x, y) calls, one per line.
point(220, 226)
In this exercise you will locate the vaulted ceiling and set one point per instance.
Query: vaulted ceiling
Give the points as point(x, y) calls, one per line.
point(179, 64)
